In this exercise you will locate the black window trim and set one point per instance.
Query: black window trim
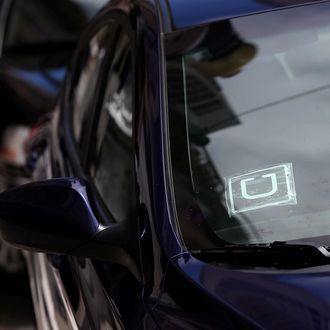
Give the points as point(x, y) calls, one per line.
point(123, 24)
point(80, 165)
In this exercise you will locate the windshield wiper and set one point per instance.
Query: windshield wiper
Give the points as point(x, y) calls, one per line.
point(284, 255)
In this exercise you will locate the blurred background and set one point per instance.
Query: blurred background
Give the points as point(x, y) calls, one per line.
point(37, 39)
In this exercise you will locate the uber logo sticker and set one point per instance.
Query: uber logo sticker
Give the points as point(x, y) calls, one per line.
point(261, 188)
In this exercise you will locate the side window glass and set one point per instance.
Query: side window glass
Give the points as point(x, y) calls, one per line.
point(113, 162)
point(83, 94)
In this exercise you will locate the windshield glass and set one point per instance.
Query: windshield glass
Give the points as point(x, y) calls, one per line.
point(249, 119)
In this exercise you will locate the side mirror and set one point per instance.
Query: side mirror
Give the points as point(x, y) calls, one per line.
point(52, 215)
point(55, 216)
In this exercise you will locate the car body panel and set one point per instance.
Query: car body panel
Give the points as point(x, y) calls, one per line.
point(269, 299)
point(208, 11)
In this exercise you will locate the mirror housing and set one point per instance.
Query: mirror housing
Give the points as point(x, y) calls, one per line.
point(50, 216)
point(55, 216)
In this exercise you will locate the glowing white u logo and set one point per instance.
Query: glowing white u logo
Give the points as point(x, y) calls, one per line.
point(246, 195)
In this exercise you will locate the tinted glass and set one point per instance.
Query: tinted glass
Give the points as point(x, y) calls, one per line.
point(113, 165)
point(84, 90)
point(249, 120)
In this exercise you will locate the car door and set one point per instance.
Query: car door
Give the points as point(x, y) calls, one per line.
point(106, 149)
point(109, 165)
point(96, 143)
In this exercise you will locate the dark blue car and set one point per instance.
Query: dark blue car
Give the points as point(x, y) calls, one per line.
point(183, 181)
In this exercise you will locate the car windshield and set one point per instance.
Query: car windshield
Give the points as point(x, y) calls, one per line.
point(249, 121)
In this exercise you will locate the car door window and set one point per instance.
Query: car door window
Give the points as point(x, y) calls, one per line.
point(83, 93)
point(112, 165)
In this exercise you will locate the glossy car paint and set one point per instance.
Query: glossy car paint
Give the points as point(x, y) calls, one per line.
point(177, 290)
point(212, 11)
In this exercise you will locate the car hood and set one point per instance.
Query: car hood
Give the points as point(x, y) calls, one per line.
point(272, 300)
